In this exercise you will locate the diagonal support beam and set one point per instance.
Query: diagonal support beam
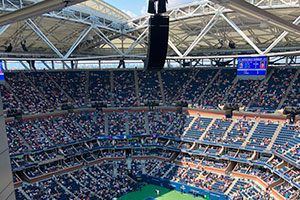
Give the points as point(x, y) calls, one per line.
point(237, 29)
point(3, 28)
point(65, 64)
point(106, 40)
point(278, 39)
point(79, 39)
point(46, 65)
point(23, 64)
point(137, 41)
point(175, 48)
point(36, 29)
point(208, 26)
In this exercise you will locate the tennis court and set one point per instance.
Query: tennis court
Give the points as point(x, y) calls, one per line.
point(148, 193)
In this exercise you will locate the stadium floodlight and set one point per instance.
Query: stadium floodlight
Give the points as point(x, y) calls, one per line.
point(255, 12)
point(36, 9)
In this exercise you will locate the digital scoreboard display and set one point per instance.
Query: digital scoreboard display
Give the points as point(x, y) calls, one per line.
point(1, 72)
point(252, 67)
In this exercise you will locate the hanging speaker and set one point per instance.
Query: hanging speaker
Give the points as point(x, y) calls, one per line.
point(158, 42)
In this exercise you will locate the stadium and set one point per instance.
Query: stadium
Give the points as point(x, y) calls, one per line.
point(81, 118)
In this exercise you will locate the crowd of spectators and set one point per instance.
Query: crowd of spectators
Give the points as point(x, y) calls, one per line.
point(8, 99)
point(271, 93)
point(149, 86)
point(136, 123)
point(159, 121)
point(99, 86)
point(48, 88)
point(242, 92)
point(74, 84)
point(117, 123)
point(41, 92)
point(218, 89)
point(173, 83)
point(124, 92)
point(27, 93)
point(193, 89)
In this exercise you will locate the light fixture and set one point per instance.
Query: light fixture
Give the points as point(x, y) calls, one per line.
point(220, 44)
point(8, 48)
point(231, 44)
point(23, 44)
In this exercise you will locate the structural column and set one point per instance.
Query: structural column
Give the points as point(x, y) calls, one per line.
point(6, 182)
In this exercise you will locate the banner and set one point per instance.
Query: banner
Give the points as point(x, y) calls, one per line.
point(1, 71)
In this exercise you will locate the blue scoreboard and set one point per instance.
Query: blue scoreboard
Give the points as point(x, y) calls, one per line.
point(252, 67)
point(1, 72)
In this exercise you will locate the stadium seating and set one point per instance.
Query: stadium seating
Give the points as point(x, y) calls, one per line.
point(8, 99)
point(218, 90)
point(149, 86)
point(99, 86)
point(238, 134)
point(165, 139)
point(292, 98)
point(196, 86)
point(262, 135)
point(28, 94)
point(242, 92)
point(44, 84)
point(217, 131)
point(41, 91)
point(174, 82)
point(198, 128)
point(273, 91)
point(124, 92)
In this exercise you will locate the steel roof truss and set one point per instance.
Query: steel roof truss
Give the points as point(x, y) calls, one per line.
point(237, 29)
point(106, 40)
point(36, 29)
point(208, 26)
point(283, 34)
point(78, 41)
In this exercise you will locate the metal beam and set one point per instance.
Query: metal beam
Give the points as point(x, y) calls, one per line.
point(255, 12)
point(23, 64)
point(43, 36)
point(46, 65)
point(137, 41)
point(77, 42)
point(3, 28)
point(208, 26)
point(174, 48)
point(237, 29)
point(106, 40)
point(278, 39)
point(65, 64)
point(36, 9)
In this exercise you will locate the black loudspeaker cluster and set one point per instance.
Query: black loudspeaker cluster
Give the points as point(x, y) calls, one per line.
point(157, 42)
point(67, 106)
point(99, 104)
point(183, 104)
point(14, 113)
point(151, 103)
